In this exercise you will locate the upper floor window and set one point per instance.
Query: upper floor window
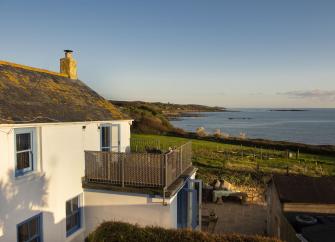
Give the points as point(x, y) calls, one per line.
point(105, 134)
point(110, 137)
point(73, 215)
point(30, 230)
point(24, 151)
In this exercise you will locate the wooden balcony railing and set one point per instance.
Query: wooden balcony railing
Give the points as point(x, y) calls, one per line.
point(137, 169)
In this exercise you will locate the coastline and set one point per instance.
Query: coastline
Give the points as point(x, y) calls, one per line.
point(155, 118)
point(176, 116)
point(320, 149)
point(313, 127)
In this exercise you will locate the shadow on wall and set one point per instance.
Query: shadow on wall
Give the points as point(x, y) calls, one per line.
point(20, 198)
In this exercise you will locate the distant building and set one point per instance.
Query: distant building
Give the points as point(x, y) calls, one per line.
point(301, 208)
point(66, 164)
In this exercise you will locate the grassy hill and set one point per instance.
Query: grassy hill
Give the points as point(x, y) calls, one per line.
point(153, 118)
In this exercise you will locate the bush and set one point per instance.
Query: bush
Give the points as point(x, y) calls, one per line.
point(243, 135)
point(217, 134)
point(201, 132)
point(123, 232)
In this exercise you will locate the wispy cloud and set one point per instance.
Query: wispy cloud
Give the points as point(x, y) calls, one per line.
point(255, 93)
point(311, 94)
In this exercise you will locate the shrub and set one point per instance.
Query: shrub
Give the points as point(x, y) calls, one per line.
point(225, 135)
point(217, 134)
point(243, 135)
point(123, 232)
point(201, 132)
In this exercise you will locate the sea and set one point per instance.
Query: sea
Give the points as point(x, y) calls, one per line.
point(309, 126)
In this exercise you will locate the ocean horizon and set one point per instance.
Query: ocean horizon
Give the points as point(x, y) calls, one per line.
point(303, 125)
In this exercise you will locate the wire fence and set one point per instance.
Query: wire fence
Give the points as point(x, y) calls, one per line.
point(264, 160)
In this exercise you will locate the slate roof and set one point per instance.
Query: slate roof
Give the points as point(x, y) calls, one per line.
point(31, 95)
point(303, 189)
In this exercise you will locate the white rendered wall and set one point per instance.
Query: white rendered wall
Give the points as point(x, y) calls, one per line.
point(132, 208)
point(60, 167)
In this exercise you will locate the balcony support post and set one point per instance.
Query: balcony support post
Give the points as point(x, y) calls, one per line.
point(122, 171)
point(181, 160)
point(165, 170)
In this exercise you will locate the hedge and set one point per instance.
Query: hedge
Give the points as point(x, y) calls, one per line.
point(123, 232)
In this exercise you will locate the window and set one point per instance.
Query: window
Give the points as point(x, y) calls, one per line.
point(73, 215)
point(30, 230)
point(24, 148)
point(110, 137)
point(105, 133)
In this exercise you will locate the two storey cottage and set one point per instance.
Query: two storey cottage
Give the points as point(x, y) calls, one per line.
point(66, 162)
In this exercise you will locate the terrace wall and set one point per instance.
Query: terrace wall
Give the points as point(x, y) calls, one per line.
point(140, 209)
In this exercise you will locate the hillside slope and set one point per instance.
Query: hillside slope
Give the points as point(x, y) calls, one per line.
point(153, 118)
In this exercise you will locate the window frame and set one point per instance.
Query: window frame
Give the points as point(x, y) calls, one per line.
point(78, 213)
point(106, 148)
point(111, 147)
point(39, 227)
point(32, 151)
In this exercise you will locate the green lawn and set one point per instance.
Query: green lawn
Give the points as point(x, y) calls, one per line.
point(241, 164)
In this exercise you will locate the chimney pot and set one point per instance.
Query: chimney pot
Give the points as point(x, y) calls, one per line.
point(68, 65)
point(68, 53)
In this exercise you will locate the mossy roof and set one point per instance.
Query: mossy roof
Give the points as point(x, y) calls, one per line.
point(30, 95)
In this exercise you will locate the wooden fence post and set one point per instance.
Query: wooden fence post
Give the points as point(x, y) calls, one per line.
point(181, 160)
point(165, 169)
point(122, 170)
point(109, 166)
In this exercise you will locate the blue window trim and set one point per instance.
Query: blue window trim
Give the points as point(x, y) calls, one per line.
point(31, 131)
point(79, 214)
point(40, 227)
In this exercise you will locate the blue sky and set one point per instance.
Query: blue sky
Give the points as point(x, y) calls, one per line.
point(228, 53)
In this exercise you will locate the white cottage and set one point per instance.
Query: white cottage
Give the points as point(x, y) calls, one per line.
point(66, 163)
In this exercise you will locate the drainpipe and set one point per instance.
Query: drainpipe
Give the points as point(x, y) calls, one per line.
point(40, 153)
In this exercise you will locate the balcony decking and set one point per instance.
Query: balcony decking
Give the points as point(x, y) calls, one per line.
point(138, 170)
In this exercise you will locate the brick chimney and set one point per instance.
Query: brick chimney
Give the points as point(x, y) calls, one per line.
point(68, 65)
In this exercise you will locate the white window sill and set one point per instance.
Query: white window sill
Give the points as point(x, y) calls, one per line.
point(31, 176)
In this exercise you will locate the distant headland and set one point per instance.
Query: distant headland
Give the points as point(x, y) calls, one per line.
point(288, 110)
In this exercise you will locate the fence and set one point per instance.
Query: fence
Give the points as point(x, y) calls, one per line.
point(137, 169)
point(145, 144)
point(262, 160)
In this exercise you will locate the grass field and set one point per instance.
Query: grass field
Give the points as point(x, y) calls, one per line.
point(242, 165)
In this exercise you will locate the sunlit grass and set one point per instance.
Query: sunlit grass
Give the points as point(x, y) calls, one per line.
point(215, 159)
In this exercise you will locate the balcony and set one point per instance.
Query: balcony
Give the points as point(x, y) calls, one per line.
point(148, 165)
